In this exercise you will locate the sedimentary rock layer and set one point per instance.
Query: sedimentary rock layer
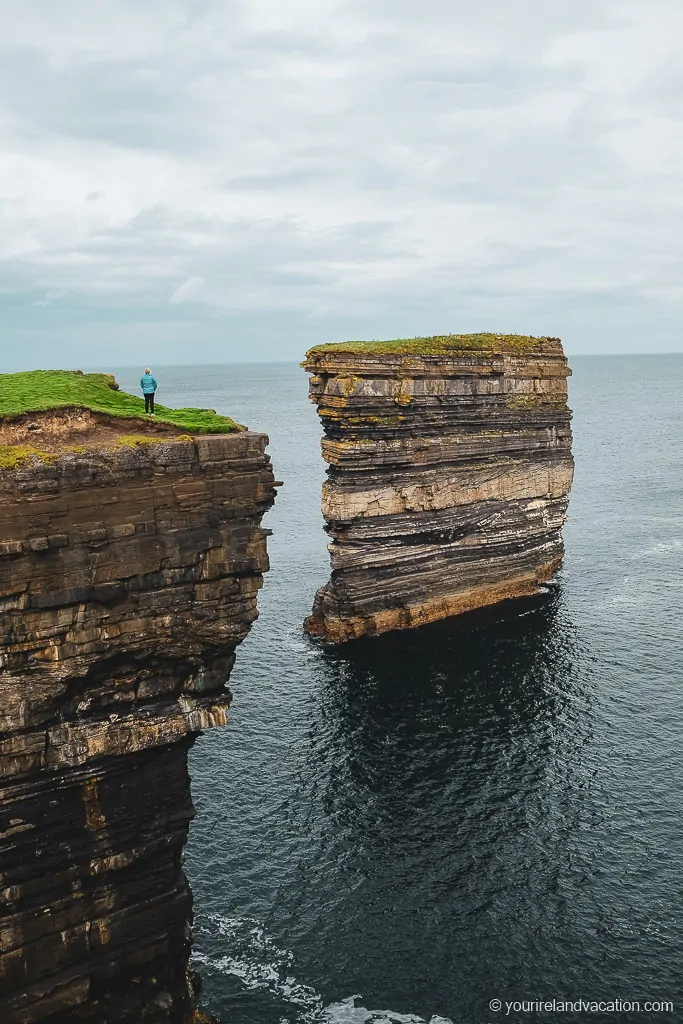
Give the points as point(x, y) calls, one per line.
point(449, 469)
point(128, 576)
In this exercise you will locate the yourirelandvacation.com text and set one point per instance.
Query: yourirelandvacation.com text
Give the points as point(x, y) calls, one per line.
point(536, 1006)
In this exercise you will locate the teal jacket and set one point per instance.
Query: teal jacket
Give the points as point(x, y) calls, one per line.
point(148, 384)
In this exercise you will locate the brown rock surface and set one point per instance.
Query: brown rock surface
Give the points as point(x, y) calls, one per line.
point(128, 576)
point(449, 471)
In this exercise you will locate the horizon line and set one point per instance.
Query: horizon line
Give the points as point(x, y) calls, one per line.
point(298, 361)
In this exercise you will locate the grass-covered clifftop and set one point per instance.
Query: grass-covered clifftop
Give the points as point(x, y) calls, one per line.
point(439, 344)
point(45, 390)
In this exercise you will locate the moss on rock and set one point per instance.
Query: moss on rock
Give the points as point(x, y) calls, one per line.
point(438, 344)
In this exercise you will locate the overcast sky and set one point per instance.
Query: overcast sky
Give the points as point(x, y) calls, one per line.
point(228, 180)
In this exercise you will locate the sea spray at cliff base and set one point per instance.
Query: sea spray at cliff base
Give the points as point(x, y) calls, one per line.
point(255, 961)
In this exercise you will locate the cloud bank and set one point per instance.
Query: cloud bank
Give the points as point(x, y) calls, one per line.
point(209, 181)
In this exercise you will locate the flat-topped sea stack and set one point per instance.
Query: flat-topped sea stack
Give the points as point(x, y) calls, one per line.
point(449, 472)
point(131, 554)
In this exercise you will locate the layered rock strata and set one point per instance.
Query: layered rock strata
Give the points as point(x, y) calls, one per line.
point(128, 576)
point(449, 471)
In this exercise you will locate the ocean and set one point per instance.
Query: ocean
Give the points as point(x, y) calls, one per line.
point(405, 828)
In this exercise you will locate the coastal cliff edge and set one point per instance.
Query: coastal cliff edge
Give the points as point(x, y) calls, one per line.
point(129, 572)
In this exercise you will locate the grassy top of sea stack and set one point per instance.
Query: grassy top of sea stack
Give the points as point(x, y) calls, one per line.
point(439, 344)
point(41, 391)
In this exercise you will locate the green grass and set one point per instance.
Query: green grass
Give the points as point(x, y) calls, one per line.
point(440, 344)
point(43, 390)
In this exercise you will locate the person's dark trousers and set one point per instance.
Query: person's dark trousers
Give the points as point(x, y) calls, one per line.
point(149, 403)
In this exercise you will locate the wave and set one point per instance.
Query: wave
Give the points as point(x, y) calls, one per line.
point(259, 964)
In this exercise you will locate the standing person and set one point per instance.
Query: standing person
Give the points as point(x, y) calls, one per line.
point(149, 386)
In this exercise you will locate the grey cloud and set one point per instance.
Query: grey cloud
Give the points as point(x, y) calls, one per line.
point(436, 162)
point(663, 89)
point(103, 102)
point(525, 19)
point(155, 255)
point(190, 290)
point(295, 177)
point(307, 44)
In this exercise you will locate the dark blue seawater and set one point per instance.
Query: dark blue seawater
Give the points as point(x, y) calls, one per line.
point(404, 828)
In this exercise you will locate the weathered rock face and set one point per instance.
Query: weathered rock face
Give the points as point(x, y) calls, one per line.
point(127, 578)
point(448, 480)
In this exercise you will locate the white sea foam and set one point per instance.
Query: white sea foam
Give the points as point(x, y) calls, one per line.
point(348, 1012)
point(662, 548)
point(260, 964)
point(294, 644)
point(627, 595)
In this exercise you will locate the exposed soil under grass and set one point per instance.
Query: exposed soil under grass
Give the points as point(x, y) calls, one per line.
point(62, 429)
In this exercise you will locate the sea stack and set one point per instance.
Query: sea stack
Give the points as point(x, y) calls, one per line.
point(131, 554)
point(449, 472)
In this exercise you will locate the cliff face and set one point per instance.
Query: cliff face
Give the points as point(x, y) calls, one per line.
point(449, 469)
point(128, 576)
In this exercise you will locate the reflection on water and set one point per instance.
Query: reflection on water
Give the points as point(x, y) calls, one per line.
point(438, 781)
point(445, 768)
point(408, 826)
